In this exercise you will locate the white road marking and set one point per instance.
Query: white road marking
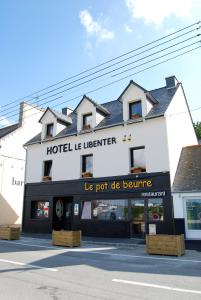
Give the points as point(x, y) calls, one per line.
point(87, 250)
point(27, 265)
point(156, 286)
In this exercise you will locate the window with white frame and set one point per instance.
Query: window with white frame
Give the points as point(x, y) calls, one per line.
point(137, 160)
point(135, 110)
point(49, 130)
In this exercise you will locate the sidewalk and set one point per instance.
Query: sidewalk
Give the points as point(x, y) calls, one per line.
point(116, 242)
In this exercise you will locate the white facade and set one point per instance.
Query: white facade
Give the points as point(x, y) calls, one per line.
point(12, 164)
point(180, 131)
point(160, 135)
point(181, 201)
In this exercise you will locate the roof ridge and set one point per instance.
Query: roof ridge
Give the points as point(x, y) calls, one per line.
point(157, 89)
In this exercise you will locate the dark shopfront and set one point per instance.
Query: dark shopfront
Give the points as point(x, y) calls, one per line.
point(118, 206)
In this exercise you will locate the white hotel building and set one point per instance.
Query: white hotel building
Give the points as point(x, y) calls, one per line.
point(108, 169)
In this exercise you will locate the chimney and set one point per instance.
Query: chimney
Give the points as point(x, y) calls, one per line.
point(66, 111)
point(21, 113)
point(171, 82)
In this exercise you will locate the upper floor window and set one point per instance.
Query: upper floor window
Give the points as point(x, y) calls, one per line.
point(47, 170)
point(137, 156)
point(87, 165)
point(49, 130)
point(135, 110)
point(87, 121)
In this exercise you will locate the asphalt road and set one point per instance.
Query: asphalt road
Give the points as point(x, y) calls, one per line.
point(33, 269)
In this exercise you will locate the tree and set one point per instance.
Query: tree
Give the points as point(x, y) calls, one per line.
point(197, 127)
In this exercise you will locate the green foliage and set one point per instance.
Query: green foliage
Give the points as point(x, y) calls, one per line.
point(197, 127)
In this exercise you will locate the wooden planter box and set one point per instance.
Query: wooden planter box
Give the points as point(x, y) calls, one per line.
point(66, 238)
point(165, 244)
point(9, 233)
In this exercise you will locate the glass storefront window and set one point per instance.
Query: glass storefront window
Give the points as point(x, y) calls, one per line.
point(110, 209)
point(155, 210)
point(40, 210)
point(86, 210)
point(193, 210)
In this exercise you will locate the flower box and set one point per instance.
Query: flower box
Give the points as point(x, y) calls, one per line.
point(86, 127)
point(66, 238)
point(137, 170)
point(47, 178)
point(87, 174)
point(165, 244)
point(9, 233)
point(136, 116)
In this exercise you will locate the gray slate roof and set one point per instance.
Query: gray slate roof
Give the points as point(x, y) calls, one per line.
point(6, 130)
point(162, 98)
point(188, 174)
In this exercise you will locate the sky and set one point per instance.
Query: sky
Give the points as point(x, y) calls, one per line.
point(44, 42)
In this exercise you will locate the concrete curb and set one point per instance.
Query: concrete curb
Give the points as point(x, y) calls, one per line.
point(117, 245)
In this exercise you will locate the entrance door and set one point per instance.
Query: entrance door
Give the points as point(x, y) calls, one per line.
point(62, 214)
point(138, 218)
point(193, 218)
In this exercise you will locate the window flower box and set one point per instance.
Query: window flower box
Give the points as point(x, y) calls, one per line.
point(87, 174)
point(9, 233)
point(87, 127)
point(165, 244)
point(135, 116)
point(137, 170)
point(47, 178)
point(66, 238)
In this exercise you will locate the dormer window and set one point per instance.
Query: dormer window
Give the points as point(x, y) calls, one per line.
point(87, 121)
point(49, 130)
point(135, 110)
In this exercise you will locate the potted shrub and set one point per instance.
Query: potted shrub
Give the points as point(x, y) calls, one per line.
point(47, 178)
point(87, 174)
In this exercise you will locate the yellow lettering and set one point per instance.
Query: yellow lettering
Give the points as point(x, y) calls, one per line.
point(88, 187)
point(113, 185)
point(101, 186)
point(149, 183)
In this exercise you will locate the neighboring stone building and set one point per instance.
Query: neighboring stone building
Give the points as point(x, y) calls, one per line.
point(12, 162)
point(187, 192)
point(108, 169)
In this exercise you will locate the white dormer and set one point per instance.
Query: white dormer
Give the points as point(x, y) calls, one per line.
point(53, 123)
point(89, 114)
point(137, 102)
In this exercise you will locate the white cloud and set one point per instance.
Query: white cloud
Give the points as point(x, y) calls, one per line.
point(156, 11)
point(94, 28)
point(5, 122)
point(128, 28)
